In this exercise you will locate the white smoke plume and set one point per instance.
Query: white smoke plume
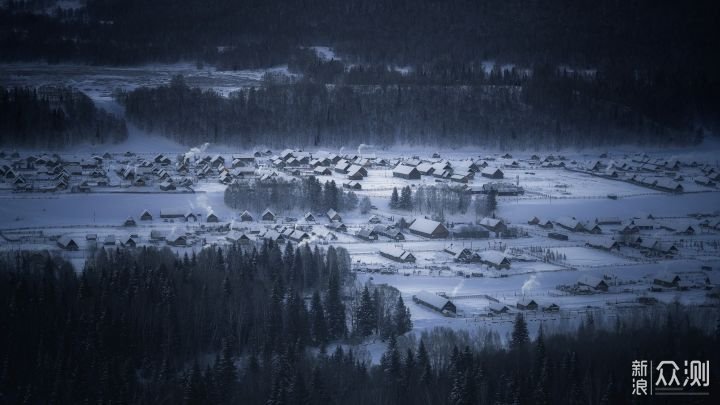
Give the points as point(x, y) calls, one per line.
point(458, 287)
point(530, 284)
point(195, 151)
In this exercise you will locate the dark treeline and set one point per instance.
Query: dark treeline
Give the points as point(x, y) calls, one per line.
point(126, 327)
point(308, 113)
point(653, 68)
point(147, 326)
point(289, 196)
point(644, 33)
point(54, 117)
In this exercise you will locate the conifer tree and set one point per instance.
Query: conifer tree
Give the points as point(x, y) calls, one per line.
point(334, 307)
point(319, 323)
point(394, 199)
point(402, 321)
point(520, 336)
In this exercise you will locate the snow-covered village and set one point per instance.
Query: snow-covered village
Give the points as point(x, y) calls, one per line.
point(550, 235)
point(486, 216)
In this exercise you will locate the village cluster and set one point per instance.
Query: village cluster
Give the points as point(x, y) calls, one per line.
point(622, 250)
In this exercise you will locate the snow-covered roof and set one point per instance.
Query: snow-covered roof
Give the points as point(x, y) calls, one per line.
point(431, 299)
point(424, 225)
point(666, 277)
point(568, 222)
point(424, 167)
point(494, 257)
point(66, 241)
point(395, 252)
point(490, 170)
point(490, 222)
point(403, 169)
point(668, 184)
point(590, 281)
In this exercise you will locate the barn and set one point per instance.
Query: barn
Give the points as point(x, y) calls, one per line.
point(666, 280)
point(366, 234)
point(273, 235)
point(128, 241)
point(322, 171)
point(406, 172)
point(109, 240)
point(356, 172)
point(353, 185)
point(337, 226)
point(157, 235)
point(298, 236)
point(429, 228)
point(493, 225)
point(571, 224)
point(603, 244)
point(175, 239)
point(669, 185)
point(246, 216)
point(557, 236)
point(342, 166)
point(462, 255)
point(172, 213)
point(333, 215)
point(492, 173)
point(495, 259)
point(211, 217)
point(67, 243)
point(593, 282)
point(435, 302)
point(425, 168)
point(498, 308)
point(167, 186)
point(608, 221)
point(527, 304)
point(397, 254)
point(390, 232)
point(268, 215)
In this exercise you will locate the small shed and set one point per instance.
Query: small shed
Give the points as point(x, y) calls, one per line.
point(268, 215)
